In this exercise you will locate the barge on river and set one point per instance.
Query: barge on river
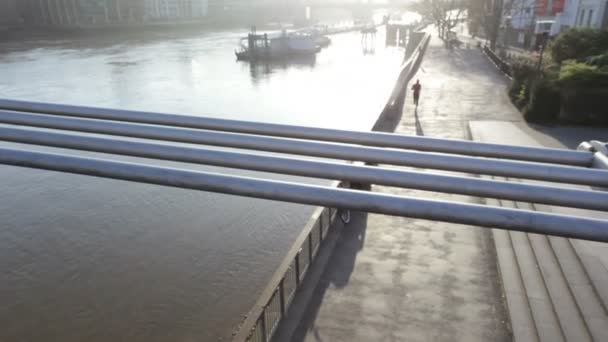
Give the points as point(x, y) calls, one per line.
point(277, 45)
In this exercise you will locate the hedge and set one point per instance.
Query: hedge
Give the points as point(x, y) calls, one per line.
point(577, 44)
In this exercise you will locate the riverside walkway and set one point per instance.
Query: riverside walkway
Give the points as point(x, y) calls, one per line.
point(397, 279)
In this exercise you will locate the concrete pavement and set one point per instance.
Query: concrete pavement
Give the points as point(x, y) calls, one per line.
point(399, 279)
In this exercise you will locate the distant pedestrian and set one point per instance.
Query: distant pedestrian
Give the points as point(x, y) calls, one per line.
point(416, 88)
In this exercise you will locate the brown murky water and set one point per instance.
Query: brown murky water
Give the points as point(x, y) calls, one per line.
point(89, 259)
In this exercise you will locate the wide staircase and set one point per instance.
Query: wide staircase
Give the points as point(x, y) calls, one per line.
point(556, 289)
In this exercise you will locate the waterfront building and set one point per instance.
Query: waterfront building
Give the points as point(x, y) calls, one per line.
point(175, 9)
point(591, 13)
point(69, 13)
point(582, 13)
point(546, 12)
point(519, 21)
point(567, 18)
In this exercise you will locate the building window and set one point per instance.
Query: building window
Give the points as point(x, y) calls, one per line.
point(589, 18)
point(581, 18)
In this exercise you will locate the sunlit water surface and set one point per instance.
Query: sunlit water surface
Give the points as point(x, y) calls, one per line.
point(89, 259)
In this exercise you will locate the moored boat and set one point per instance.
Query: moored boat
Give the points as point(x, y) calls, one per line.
point(276, 45)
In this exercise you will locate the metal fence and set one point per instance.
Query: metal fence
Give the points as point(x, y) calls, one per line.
point(500, 64)
point(269, 315)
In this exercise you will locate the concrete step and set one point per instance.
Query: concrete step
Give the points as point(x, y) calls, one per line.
point(596, 271)
point(592, 309)
point(574, 271)
point(543, 313)
point(522, 324)
point(568, 312)
point(567, 307)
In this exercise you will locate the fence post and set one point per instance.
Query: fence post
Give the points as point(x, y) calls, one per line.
point(297, 270)
point(282, 296)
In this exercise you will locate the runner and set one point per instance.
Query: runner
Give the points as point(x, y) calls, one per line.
point(416, 88)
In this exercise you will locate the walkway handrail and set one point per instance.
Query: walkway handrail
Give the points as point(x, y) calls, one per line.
point(476, 165)
point(576, 198)
point(549, 155)
point(501, 64)
point(600, 153)
point(472, 214)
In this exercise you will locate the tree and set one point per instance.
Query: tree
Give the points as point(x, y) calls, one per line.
point(453, 17)
point(489, 14)
point(486, 14)
point(444, 13)
point(493, 21)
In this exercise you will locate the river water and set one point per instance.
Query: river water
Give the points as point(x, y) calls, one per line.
point(89, 259)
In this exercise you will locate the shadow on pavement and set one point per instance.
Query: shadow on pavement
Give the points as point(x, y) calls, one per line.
point(568, 135)
point(337, 272)
point(419, 130)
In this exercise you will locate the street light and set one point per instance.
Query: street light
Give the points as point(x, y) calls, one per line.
point(543, 43)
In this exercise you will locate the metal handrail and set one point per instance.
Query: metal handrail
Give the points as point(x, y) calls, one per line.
point(472, 214)
point(600, 153)
point(549, 155)
point(576, 198)
point(476, 165)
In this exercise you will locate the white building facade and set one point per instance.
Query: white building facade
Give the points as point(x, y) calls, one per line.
point(518, 22)
point(583, 13)
point(520, 13)
point(591, 13)
point(175, 9)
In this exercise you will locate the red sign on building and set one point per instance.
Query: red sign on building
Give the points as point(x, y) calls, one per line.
point(541, 7)
point(558, 6)
point(549, 7)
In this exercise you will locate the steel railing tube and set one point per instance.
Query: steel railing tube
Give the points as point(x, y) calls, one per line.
point(497, 167)
point(576, 198)
point(472, 214)
point(547, 155)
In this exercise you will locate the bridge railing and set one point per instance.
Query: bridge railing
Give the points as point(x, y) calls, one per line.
point(578, 198)
point(586, 166)
point(446, 211)
point(21, 113)
point(580, 158)
point(105, 121)
point(600, 153)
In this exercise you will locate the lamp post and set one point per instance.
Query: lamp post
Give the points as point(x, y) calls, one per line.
point(543, 44)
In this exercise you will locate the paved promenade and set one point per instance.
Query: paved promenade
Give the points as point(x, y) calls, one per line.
point(399, 279)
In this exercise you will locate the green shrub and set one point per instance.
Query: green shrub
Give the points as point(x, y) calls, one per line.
point(600, 61)
point(584, 105)
point(584, 92)
point(583, 75)
point(544, 102)
point(523, 74)
point(522, 97)
point(578, 44)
